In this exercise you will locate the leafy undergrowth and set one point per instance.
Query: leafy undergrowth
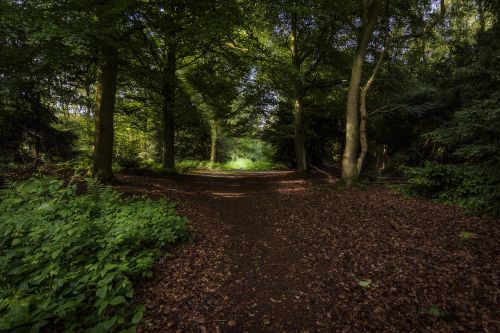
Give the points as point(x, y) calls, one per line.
point(475, 187)
point(69, 262)
point(236, 164)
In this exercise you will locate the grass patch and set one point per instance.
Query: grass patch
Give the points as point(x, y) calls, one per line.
point(243, 164)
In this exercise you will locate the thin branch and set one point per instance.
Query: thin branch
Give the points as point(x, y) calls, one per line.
point(428, 27)
point(384, 109)
point(330, 178)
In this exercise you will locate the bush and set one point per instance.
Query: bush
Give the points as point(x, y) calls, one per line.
point(69, 262)
point(187, 165)
point(469, 186)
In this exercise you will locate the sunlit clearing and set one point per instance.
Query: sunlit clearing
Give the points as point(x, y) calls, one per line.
point(241, 164)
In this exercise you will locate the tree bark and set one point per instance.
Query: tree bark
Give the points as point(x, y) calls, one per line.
point(300, 141)
point(363, 139)
point(363, 112)
point(299, 132)
point(351, 170)
point(104, 130)
point(214, 140)
point(380, 154)
point(349, 160)
point(169, 86)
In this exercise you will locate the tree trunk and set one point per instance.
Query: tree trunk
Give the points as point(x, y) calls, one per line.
point(169, 85)
point(363, 139)
point(349, 159)
point(299, 132)
point(379, 158)
point(300, 144)
point(104, 131)
point(214, 140)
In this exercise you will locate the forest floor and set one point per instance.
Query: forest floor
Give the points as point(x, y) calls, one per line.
point(273, 252)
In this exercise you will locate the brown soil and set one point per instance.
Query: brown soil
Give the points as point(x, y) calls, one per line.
point(276, 253)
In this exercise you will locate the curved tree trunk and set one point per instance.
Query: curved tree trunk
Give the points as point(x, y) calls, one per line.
point(364, 90)
point(169, 86)
point(349, 159)
point(363, 139)
point(104, 130)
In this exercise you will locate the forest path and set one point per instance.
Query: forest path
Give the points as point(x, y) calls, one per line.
point(276, 253)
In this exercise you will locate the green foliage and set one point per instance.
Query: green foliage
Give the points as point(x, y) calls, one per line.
point(132, 141)
point(82, 126)
point(69, 261)
point(464, 156)
point(246, 148)
point(469, 186)
point(236, 164)
point(469, 143)
point(248, 164)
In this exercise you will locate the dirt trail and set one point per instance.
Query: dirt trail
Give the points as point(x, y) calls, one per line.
point(275, 253)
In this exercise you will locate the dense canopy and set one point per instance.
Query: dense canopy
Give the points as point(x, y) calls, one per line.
point(372, 87)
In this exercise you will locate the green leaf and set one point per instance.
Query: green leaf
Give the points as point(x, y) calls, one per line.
point(118, 300)
point(15, 241)
point(102, 292)
point(137, 317)
point(365, 283)
point(102, 307)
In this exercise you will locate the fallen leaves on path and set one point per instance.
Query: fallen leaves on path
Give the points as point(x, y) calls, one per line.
point(271, 253)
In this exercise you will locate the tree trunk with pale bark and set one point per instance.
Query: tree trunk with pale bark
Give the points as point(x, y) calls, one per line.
point(349, 159)
point(363, 138)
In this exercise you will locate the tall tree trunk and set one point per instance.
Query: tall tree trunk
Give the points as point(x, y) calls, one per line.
point(299, 137)
point(105, 98)
point(169, 86)
point(349, 160)
point(299, 132)
point(363, 139)
point(364, 90)
point(214, 140)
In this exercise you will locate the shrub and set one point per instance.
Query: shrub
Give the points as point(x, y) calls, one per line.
point(187, 165)
point(471, 186)
point(69, 262)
